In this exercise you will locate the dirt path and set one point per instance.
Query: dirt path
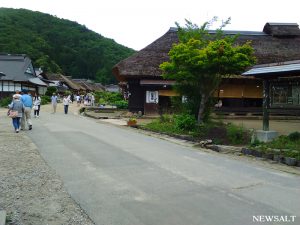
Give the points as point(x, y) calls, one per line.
point(283, 127)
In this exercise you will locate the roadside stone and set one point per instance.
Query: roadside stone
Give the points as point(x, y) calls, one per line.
point(215, 148)
point(204, 143)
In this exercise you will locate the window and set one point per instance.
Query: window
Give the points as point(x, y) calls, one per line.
point(18, 87)
point(8, 86)
point(286, 94)
point(151, 96)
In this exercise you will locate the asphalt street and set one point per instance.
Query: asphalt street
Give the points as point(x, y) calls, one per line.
point(121, 176)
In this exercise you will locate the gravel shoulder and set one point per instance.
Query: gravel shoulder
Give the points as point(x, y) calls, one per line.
point(31, 192)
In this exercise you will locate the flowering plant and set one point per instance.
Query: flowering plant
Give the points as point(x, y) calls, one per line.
point(132, 119)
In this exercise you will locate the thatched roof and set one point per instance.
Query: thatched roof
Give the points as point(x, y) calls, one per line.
point(98, 87)
point(282, 29)
point(63, 79)
point(88, 85)
point(269, 47)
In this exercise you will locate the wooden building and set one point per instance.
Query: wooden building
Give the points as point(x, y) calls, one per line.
point(17, 73)
point(281, 84)
point(88, 85)
point(61, 82)
point(147, 90)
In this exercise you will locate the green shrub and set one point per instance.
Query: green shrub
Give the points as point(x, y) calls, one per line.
point(295, 136)
point(292, 153)
point(236, 134)
point(283, 142)
point(45, 99)
point(165, 127)
point(185, 122)
point(67, 92)
point(166, 118)
point(255, 142)
point(4, 102)
point(121, 104)
point(51, 90)
point(109, 98)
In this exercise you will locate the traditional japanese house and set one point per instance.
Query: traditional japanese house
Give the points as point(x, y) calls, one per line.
point(88, 85)
point(61, 82)
point(17, 73)
point(147, 90)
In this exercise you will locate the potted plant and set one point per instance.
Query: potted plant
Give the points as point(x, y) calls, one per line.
point(132, 122)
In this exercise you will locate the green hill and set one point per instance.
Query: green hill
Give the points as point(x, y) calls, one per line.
point(60, 45)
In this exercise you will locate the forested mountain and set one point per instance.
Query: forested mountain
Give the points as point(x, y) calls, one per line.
point(60, 45)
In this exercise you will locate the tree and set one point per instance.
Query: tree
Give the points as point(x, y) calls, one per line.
point(59, 45)
point(200, 60)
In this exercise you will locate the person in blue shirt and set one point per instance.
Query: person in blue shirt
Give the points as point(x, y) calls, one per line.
point(27, 102)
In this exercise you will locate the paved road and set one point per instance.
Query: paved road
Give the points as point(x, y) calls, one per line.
point(122, 177)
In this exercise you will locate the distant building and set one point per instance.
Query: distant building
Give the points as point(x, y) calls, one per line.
point(112, 88)
point(17, 73)
point(61, 82)
point(88, 85)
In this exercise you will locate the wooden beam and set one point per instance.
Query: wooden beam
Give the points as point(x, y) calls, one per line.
point(266, 104)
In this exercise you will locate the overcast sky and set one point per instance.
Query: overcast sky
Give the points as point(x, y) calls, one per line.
point(137, 23)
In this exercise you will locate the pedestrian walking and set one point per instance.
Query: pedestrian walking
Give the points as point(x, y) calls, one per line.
point(26, 118)
point(66, 102)
point(86, 99)
point(78, 100)
point(36, 105)
point(72, 98)
point(54, 102)
point(18, 93)
point(92, 100)
point(16, 111)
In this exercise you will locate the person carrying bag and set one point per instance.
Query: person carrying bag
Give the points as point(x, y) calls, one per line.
point(15, 112)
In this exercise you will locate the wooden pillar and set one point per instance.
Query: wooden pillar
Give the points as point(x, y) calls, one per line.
point(266, 104)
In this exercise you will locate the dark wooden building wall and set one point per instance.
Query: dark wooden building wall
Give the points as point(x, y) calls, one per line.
point(137, 96)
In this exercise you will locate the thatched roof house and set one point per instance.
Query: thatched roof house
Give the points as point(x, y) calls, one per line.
point(89, 85)
point(61, 80)
point(278, 42)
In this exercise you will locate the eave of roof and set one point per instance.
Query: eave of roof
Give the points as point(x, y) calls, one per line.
point(279, 68)
point(231, 32)
point(37, 81)
point(157, 82)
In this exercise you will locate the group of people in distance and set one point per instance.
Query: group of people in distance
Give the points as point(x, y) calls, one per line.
point(86, 100)
point(20, 109)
